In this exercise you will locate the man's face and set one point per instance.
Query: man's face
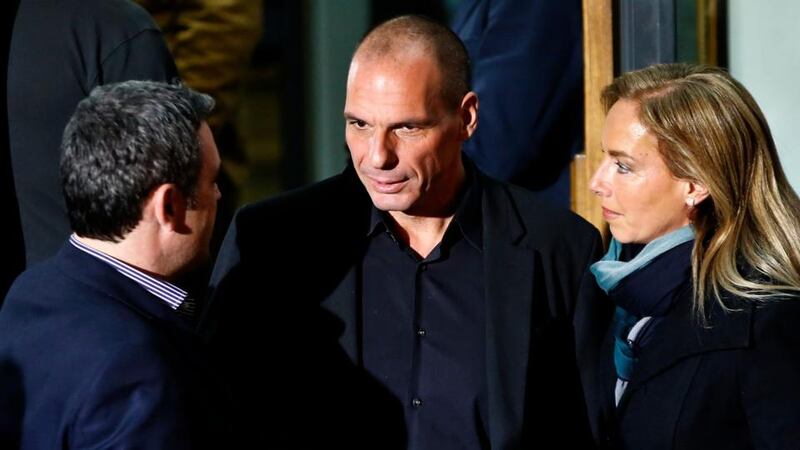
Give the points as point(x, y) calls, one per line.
point(404, 141)
point(200, 218)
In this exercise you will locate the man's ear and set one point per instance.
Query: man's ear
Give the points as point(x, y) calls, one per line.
point(169, 207)
point(469, 114)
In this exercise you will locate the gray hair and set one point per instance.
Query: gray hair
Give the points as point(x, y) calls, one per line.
point(124, 140)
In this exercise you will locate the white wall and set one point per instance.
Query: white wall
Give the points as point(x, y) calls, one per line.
point(764, 55)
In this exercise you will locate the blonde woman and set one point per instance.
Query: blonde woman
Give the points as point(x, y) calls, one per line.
point(704, 267)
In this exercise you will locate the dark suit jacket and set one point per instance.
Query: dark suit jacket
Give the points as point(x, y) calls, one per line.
point(731, 386)
point(60, 50)
point(89, 359)
point(13, 261)
point(286, 292)
point(527, 67)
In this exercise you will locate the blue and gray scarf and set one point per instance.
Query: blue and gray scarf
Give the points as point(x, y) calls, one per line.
point(644, 286)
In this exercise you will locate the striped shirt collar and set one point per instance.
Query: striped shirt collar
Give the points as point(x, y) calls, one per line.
point(171, 295)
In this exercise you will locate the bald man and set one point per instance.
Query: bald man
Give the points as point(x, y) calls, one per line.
point(410, 302)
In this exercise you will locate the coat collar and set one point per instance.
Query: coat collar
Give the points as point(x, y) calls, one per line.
point(100, 276)
point(343, 300)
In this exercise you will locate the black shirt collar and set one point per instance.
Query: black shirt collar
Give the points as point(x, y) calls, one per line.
point(467, 219)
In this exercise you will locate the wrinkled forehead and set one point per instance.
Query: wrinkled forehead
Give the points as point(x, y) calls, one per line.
point(385, 91)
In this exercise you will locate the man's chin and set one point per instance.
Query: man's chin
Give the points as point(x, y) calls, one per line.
point(388, 202)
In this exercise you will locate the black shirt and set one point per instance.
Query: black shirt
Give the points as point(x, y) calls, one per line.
point(424, 327)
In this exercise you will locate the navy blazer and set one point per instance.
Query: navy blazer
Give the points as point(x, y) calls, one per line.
point(527, 68)
point(732, 385)
point(287, 285)
point(89, 359)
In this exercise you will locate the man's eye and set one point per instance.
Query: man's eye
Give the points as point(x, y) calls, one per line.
point(358, 124)
point(622, 168)
point(409, 129)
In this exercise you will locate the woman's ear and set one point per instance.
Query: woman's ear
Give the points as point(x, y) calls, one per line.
point(697, 193)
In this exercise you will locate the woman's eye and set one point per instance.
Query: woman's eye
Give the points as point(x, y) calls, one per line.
point(622, 168)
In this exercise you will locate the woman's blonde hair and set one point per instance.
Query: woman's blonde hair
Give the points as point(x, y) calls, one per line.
point(711, 131)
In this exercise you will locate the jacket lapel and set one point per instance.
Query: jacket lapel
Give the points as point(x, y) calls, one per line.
point(608, 379)
point(508, 270)
point(344, 301)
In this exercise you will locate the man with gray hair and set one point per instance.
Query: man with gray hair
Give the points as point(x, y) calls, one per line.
point(410, 302)
point(97, 348)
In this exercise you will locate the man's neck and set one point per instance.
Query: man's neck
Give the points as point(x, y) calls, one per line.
point(127, 251)
point(423, 231)
point(422, 234)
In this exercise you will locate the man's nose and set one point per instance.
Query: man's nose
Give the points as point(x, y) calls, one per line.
point(382, 151)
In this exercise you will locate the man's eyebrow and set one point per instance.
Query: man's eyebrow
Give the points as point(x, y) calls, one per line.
point(421, 122)
point(415, 121)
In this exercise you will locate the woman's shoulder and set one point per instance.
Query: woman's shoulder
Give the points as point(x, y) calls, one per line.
point(767, 370)
point(776, 307)
point(778, 314)
point(753, 323)
point(769, 321)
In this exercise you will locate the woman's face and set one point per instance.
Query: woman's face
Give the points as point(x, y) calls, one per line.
point(641, 199)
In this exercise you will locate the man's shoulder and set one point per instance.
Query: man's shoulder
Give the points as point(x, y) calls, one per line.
point(542, 220)
point(62, 322)
point(39, 282)
point(50, 297)
point(333, 195)
point(122, 15)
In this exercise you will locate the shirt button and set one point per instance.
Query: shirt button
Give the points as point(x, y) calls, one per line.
point(423, 267)
point(421, 332)
point(416, 403)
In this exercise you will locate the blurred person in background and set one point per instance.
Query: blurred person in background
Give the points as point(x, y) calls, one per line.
point(527, 68)
point(60, 50)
